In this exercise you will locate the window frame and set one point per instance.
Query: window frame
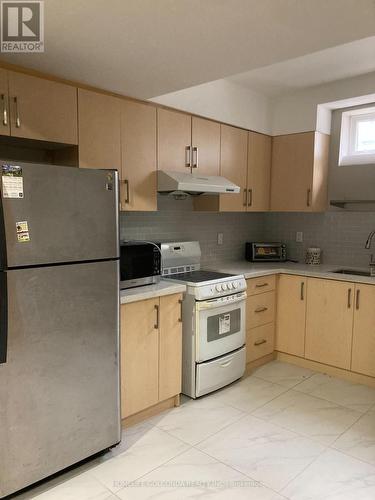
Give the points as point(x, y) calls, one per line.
point(348, 137)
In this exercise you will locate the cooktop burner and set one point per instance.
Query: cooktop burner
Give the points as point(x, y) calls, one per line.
point(199, 276)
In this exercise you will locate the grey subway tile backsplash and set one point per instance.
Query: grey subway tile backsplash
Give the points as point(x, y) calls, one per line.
point(340, 235)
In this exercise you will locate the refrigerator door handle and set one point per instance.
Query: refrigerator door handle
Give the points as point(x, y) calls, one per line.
point(3, 318)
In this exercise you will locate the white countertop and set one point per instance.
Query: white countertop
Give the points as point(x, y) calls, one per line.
point(253, 270)
point(249, 270)
point(150, 291)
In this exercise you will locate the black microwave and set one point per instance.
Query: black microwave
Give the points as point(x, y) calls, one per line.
point(265, 252)
point(140, 263)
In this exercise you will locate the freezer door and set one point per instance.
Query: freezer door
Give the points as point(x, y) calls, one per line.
point(66, 214)
point(59, 387)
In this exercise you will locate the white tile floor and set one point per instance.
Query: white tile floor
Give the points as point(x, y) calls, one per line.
point(284, 432)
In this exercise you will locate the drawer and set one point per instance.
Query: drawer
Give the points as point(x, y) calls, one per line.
point(260, 309)
point(260, 342)
point(220, 372)
point(261, 285)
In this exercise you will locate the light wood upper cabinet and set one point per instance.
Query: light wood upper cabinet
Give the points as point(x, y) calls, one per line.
point(42, 109)
point(299, 172)
point(291, 314)
point(139, 356)
point(174, 137)
point(234, 167)
point(170, 349)
point(99, 118)
point(138, 145)
point(258, 172)
point(329, 322)
point(363, 354)
point(205, 140)
point(4, 103)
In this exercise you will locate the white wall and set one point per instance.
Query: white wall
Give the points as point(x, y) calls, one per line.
point(297, 111)
point(223, 101)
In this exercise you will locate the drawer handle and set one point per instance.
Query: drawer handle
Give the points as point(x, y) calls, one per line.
point(260, 342)
point(261, 285)
point(18, 119)
point(5, 112)
point(302, 290)
point(127, 198)
point(357, 299)
point(349, 298)
point(245, 197)
point(261, 309)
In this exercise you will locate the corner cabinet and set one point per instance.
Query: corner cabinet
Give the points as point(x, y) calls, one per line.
point(329, 322)
point(299, 172)
point(151, 352)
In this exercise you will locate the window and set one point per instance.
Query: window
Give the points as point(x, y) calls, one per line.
point(357, 141)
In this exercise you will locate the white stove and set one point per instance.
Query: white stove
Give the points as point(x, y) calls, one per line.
point(213, 314)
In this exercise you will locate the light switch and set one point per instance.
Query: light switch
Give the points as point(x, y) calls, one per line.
point(220, 238)
point(299, 236)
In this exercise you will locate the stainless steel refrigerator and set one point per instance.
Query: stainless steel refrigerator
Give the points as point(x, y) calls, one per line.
point(59, 319)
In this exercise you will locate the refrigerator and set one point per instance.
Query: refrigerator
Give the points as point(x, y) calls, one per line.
point(59, 319)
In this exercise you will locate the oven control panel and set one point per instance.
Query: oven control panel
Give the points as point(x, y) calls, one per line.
point(225, 287)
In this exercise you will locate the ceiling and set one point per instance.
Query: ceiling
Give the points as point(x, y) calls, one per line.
point(147, 48)
point(345, 61)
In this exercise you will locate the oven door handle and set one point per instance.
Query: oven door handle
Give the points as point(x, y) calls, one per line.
point(216, 303)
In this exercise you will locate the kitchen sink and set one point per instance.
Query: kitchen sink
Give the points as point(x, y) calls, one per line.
point(354, 272)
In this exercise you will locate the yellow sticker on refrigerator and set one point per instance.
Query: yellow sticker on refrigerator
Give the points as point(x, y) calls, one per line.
point(23, 234)
point(12, 181)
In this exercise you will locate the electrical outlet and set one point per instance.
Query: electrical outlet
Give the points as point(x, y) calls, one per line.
point(299, 236)
point(220, 238)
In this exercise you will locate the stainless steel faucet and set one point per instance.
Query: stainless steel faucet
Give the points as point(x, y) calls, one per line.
point(368, 246)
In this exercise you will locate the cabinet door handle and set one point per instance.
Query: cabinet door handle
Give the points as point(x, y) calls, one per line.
point(127, 198)
point(261, 309)
point(349, 298)
point(245, 197)
point(357, 299)
point(195, 157)
point(250, 198)
point(157, 309)
point(261, 285)
point(308, 200)
point(18, 119)
point(260, 342)
point(180, 318)
point(303, 290)
point(188, 157)
point(5, 112)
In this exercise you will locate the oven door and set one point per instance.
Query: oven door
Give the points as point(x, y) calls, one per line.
point(220, 326)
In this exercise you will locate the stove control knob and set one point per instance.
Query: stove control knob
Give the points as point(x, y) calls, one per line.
point(230, 286)
point(224, 286)
point(235, 284)
point(218, 288)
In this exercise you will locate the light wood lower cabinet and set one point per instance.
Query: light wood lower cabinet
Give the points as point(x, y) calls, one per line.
point(260, 342)
point(260, 317)
point(151, 343)
point(170, 347)
point(363, 354)
point(329, 322)
point(291, 314)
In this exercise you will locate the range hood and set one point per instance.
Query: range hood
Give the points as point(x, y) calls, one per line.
point(181, 183)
